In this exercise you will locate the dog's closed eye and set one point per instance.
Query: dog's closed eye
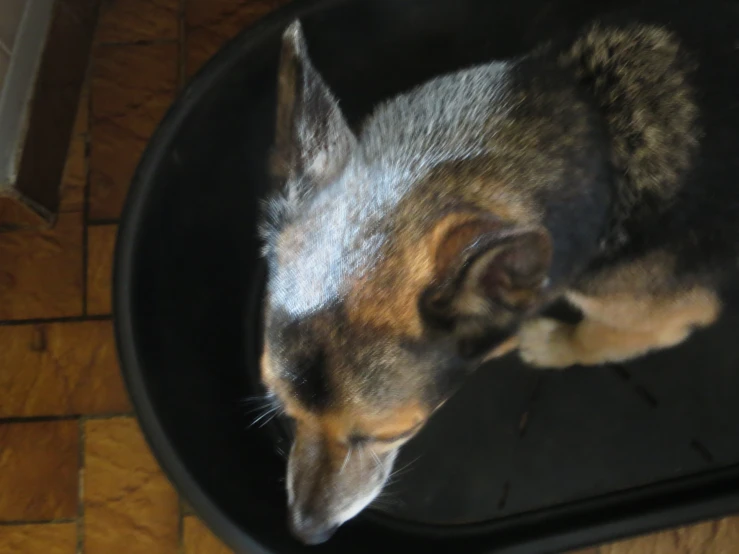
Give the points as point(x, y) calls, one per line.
point(359, 439)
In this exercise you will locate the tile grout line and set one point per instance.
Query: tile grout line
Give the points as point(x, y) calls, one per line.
point(14, 420)
point(140, 42)
point(86, 201)
point(81, 422)
point(109, 416)
point(182, 41)
point(180, 526)
point(50, 320)
point(17, 523)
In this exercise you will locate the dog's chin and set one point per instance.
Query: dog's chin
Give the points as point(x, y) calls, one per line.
point(348, 500)
point(358, 505)
point(320, 532)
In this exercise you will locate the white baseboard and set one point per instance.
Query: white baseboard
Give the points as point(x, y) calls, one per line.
point(18, 86)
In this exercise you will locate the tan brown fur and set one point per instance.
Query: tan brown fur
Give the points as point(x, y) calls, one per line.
point(339, 426)
point(266, 369)
point(628, 311)
point(504, 348)
point(342, 425)
point(386, 301)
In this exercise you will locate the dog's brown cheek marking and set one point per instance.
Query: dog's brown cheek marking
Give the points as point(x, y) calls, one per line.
point(396, 422)
point(387, 299)
point(288, 399)
point(266, 369)
point(281, 387)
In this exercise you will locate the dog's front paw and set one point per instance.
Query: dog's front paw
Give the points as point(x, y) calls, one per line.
point(546, 343)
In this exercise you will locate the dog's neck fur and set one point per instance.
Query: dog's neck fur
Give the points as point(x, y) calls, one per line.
point(445, 120)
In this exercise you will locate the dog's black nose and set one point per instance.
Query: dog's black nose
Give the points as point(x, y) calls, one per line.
point(311, 532)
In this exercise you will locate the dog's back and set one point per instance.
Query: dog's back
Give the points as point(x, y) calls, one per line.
point(693, 117)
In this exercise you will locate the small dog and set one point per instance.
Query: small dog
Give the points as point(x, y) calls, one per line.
point(601, 168)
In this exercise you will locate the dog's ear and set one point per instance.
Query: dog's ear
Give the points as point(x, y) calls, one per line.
point(312, 141)
point(484, 263)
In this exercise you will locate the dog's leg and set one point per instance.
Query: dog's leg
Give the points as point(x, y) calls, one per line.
point(508, 346)
point(617, 328)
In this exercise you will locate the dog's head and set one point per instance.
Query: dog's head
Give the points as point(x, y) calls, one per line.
point(374, 315)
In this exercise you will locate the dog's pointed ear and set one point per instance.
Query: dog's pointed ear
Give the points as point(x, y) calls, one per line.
point(485, 262)
point(312, 141)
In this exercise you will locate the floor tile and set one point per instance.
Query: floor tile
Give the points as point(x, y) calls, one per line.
point(713, 537)
point(14, 214)
point(74, 179)
point(132, 87)
point(130, 507)
point(39, 470)
point(138, 20)
point(198, 539)
point(100, 246)
point(41, 271)
point(60, 369)
point(50, 538)
point(210, 23)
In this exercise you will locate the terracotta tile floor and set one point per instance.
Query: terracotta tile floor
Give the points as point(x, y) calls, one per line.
point(75, 473)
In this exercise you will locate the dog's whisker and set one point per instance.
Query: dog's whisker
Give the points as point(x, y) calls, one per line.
point(258, 409)
point(269, 409)
point(387, 499)
point(346, 459)
point(267, 398)
point(382, 505)
point(403, 470)
point(263, 407)
point(376, 458)
point(396, 475)
point(362, 451)
point(271, 416)
point(266, 417)
point(254, 400)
